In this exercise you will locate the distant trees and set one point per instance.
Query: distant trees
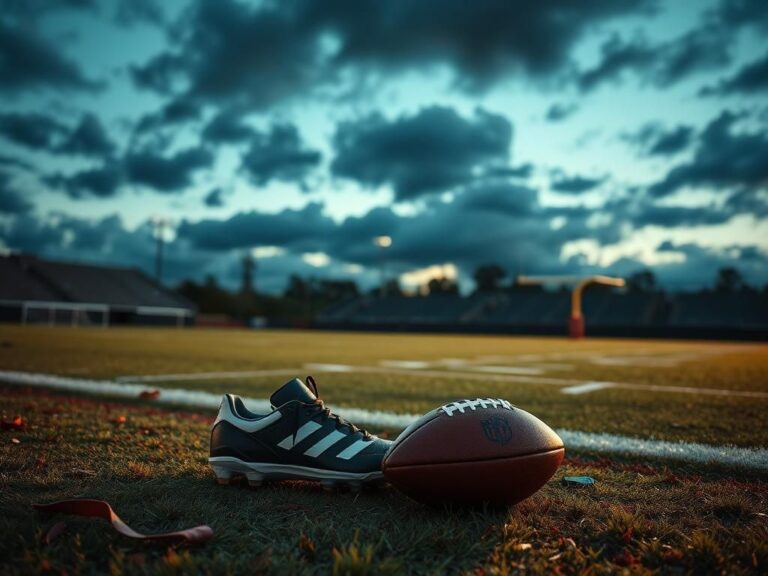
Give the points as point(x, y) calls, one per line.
point(300, 300)
point(442, 286)
point(488, 277)
point(729, 279)
point(642, 281)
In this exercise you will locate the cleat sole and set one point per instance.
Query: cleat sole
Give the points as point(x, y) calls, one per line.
point(227, 469)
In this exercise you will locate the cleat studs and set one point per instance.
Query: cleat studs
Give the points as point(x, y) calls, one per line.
point(328, 485)
point(355, 486)
point(223, 475)
point(255, 479)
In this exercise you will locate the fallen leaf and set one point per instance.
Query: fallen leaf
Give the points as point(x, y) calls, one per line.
point(15, 441)
point(18, 423)
point(120, 420)
point(522, 546)
point(41, 462)
point(102, 509)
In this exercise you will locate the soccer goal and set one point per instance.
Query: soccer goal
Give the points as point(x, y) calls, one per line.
point(64, 313)
point(579, 283)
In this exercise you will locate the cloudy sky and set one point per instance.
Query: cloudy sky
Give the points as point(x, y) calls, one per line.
point(547, 137)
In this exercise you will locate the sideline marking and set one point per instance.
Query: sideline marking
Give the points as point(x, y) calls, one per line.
point(754, 458)
point(205, 375)
point(585, 388)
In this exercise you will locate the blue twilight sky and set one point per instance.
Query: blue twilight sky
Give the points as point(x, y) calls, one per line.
point(546, 137)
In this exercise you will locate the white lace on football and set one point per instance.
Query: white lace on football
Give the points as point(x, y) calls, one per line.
point(462, 405)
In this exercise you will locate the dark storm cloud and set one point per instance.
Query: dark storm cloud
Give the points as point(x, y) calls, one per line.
point(481, 42)
point(279, 154)
point(723, 158)
point(227, 127)
point(89, 138)
point(742, 13)
point(12, 201)
point(523, 171)
point(44, 133)
point(659, 64)
point(559, 112)
point(173, 113)
point(749, 201)
point(752, 78)
point(258, 55)
point(166, 173)
point(214, 198)
point(655, 140)
point(32, 130)
point(427, 152)
point(28, 62)
point(576, 184)
point(229, 51)
point(101, 181)
point(306, 228)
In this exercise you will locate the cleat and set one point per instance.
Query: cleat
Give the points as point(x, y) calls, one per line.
point(298, 439)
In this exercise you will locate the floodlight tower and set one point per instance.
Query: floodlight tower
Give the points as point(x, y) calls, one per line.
point(576, 321)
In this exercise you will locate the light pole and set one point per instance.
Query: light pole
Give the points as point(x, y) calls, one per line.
point(383, 242)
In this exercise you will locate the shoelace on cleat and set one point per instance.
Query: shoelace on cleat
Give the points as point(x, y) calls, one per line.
point(320, 408)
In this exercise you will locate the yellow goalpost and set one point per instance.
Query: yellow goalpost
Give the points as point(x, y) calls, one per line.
point(576, 321)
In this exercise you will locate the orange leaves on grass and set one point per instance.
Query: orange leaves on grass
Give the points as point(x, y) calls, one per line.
point(18, 423)
point(119, 420)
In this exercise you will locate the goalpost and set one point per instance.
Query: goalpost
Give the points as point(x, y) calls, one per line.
point(69, 313)
point(576, 321)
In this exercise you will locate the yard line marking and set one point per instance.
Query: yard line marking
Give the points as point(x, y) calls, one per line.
point(330, 367)
point(507, 370)
point(206, 375)
point(751, 458)
point(549, 381)
point(585, 388)
point(407, 364)
point(755, 458)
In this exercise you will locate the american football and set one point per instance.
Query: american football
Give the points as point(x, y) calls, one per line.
point(474, 451)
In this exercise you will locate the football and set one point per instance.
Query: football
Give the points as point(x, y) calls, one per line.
point(474, 451)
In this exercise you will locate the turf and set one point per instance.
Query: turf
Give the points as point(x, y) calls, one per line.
point(110, 353)
point(642, 516)
point(152, 469)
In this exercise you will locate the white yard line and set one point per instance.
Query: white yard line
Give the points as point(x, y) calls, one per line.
point(545, 380)
point(206, 375)
point(751, 458)
point(585, 388)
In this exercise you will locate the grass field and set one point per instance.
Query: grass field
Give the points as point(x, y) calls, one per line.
point(643, 515)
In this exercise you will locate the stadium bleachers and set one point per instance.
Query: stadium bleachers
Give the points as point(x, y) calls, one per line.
point(736, 315)
point(33, 290)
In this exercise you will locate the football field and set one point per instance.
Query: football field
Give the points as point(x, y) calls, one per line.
point(674, 432)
